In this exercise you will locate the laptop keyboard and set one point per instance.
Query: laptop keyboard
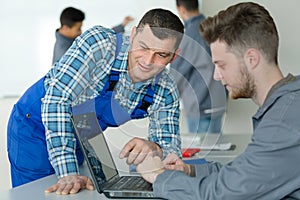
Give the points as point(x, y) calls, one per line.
point(131, 182)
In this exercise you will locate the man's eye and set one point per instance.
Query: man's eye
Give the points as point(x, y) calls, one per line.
point(220, 66)
point(162, 55)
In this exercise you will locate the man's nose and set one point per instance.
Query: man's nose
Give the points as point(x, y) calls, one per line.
point(149, 58)
point(217, 74)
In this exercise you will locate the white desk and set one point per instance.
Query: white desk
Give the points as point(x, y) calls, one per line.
point(35, 190)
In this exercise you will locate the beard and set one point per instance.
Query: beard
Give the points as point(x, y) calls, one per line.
point(247, 88)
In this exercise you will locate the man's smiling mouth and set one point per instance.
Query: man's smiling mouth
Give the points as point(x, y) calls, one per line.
point(144, 68)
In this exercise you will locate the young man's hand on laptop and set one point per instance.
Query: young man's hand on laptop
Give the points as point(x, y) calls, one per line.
point(71, 185)
point(137, 149)
point(150, 168)
point(173, 162)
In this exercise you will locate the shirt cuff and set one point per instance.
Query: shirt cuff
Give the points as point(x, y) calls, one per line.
point(65, 167)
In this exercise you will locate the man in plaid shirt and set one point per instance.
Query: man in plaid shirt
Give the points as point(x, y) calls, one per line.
point(123, 77)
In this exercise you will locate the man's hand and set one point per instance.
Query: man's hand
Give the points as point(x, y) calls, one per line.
point(71, 185)
point(137, 149)
point(126, 20)
point(150, 168)
point(173, 162)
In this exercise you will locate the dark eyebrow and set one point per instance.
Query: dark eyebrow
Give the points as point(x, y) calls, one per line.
point(144, 44)
point(166, 53)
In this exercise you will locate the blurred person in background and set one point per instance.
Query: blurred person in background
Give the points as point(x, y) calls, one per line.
point(71, 20)
point(204, 99)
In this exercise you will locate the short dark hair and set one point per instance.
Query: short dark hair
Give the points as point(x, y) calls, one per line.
point(70, 16)
point(243, 26)
point(163, 24)
point(189, 5)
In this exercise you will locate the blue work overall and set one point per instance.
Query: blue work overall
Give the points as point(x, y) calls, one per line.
point(26, 141)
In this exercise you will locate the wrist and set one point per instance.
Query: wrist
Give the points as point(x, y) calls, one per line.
point(156, 174)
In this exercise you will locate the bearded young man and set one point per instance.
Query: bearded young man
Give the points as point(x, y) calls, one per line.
point(244, 43)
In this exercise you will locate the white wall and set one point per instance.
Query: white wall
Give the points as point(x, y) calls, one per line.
point(5, 108)
point(27, 33)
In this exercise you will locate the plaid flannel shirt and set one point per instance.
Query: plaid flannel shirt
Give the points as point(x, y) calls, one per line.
point(80, 75)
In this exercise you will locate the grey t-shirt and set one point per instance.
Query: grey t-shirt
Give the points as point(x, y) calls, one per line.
point(62, 44)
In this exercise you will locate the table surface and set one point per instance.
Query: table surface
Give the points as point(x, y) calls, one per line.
point(35, 190)
point(238, 141)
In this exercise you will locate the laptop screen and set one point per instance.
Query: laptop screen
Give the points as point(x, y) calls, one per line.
point(95, 147)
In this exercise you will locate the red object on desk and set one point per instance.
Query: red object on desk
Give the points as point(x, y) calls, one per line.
point(189, 152)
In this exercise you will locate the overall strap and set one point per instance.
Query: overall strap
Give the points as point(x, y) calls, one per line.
point(119, 44)
point(113, 77)
point(140, 110)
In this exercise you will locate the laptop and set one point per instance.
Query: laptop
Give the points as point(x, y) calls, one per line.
point(102, 167)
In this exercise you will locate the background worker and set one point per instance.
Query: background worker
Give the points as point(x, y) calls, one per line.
point(204, 99)
point(71, 20)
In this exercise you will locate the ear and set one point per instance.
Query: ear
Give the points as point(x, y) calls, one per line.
point(133, 32)
point(182, 12)
point(64, 27)
point(179, 8)
point(252, 58)
point(175, 54)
